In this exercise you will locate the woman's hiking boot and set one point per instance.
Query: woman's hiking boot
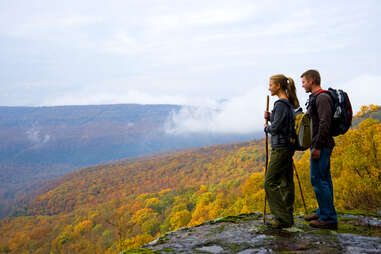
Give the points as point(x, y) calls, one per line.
point(275, 224)
point(311, 217)
point(323, 224)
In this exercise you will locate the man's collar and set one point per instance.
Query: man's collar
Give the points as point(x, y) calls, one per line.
point(317, 91)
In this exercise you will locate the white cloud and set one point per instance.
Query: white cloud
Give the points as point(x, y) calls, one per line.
point(70, 21)
point(242, 114)
point(180, 50)
point(363, 90)
point(123, 43)
point(36, 138)
point(130, 96)
point(218, 15)
point(33, 135)
point(37, 26)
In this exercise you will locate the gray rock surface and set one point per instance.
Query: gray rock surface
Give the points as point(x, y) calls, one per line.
point(245, 234)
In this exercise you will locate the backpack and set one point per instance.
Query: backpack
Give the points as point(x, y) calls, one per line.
point(300, 128)
point(303, 130)
point(342, 110)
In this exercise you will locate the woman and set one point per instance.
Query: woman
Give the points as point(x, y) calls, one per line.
point(279, 183)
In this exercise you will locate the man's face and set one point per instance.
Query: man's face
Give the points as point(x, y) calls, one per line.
point(307, 84)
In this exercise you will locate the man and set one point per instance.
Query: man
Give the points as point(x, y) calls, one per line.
point(321, 109)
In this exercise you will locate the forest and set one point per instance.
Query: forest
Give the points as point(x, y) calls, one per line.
point(121, 205)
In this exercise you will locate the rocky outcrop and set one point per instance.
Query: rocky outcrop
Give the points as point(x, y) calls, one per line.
point(245, 234)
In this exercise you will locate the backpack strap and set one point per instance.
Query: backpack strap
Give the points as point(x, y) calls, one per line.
point(286, 102)
point(321, 91)
point(291, 130)
point(312, 102)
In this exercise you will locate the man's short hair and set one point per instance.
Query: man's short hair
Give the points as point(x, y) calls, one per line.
point(312, 74)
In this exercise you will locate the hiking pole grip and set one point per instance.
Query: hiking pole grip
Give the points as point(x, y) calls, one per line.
point(267, 156)
point(267, 109)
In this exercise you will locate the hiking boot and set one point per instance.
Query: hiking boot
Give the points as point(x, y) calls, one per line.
point(323, 224)
point(311, 217)
point(274, 224)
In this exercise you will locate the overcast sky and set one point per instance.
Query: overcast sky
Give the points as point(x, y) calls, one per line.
point(212, 54)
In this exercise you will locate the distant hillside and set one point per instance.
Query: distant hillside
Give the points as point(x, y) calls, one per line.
point(186, 169)
point(79, 135)
point(121, 205)
point(371, 111)
point(105, 191)
point(42, 143)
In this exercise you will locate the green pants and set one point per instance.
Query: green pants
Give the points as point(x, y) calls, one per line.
point(279, 185)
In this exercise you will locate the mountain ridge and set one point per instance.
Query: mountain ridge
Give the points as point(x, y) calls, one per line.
point(43, 143)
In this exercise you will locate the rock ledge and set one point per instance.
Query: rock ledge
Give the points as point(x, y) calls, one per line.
point(245, 234)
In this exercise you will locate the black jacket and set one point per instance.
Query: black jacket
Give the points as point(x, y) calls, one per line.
point(320, 110)
point(281, 123)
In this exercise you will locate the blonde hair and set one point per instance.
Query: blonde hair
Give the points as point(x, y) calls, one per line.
point(287, 85)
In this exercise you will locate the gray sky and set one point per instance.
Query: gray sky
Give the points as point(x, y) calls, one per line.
point(185, 52)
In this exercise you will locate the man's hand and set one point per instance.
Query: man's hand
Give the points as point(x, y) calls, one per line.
point(315, 153)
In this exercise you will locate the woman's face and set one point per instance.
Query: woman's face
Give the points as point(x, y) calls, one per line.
point(274, 88)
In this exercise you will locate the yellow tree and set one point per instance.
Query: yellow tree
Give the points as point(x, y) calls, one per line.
point(180, 219)
point(356, 162)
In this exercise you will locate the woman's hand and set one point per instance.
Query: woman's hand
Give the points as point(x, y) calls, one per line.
point(267, 115)
point(265, 125)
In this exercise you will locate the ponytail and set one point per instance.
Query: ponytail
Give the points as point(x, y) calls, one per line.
point(288, 85)
point(291, 93)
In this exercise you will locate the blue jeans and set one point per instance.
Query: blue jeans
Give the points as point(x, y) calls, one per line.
point(322, 183)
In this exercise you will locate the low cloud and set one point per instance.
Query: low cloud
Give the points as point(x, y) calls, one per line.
point(36, 138)
point(244, 114)
point(241, 115)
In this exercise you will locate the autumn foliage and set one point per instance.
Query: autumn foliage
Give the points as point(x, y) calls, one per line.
point(114, 207)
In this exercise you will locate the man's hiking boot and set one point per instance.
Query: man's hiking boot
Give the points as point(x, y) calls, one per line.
point(323, 224)
point(311, 217)
point(274, 224)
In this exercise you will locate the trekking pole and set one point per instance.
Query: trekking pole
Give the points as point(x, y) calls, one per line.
point(267, 158)
point(300, 187)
